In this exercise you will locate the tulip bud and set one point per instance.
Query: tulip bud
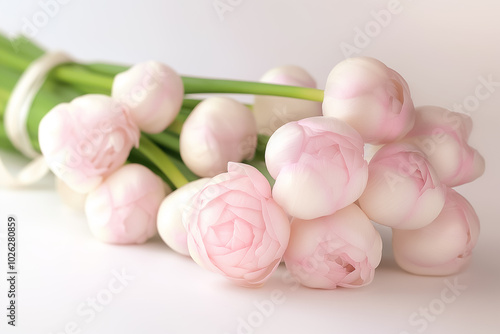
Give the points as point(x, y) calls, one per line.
point(218, 130)
point(86, 140)
point(403, 190)
point(235, 228)
point(318, 166)
point(153, 92)
point(372, 98)
point(342, 249)
point(123, 209)
point(443, 247)
point(442, 135)
point(170, 226)
point(271, 112)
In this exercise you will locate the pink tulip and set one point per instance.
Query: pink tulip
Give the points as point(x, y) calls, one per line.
point(318, 166)
point(342, 249)
point(236, 229)
point(372, 98)
point(443, 247)
point(153, 92)
point(87, 139)
point(170, 226)
point(403, 190)
point(217, 131)
point(123, 209)
point(271, 112)
point(442, 135)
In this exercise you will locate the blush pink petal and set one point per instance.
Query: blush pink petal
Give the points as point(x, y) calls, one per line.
point(235, 228)
point(318, 165)
point(443, 136)
point(124, 208)
point(258, 181)
point(218, 130)
point(403, 190)
point(443, 247)
point(271, 112)
point(372, 98)
point(169, 221)
point(86, 140)
point(153, 92)
point(342, 249)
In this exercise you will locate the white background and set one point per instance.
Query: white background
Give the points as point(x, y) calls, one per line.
point(442, 48)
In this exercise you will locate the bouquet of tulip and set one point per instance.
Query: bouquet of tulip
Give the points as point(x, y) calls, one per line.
point(240, 188)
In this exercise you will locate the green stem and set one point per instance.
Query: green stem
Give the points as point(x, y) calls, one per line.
point(101, 77)
point(12, 61)
point(4, 96)
point(21, 47)
point(137, 157)
point(165, 139)
point(73, 74)
point(106, 69)
point(70, 73)
point(260, 152)
point(190, 103)
point(79, 75)
point(162, 161)
point(202, 85)
point(176, 125)
point(190, 176)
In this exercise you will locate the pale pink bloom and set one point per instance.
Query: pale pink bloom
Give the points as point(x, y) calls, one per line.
point(123, 209)
point(271, 112)
point(443, 135)
point(87, 139)
point(372, 98)
point(443, 247)
point(68, 196)
point(403, 190)
point(318, 165)
point(342, 249)
point(153, 92)
point(170, 226)
point(236, 229)
point(217, 131)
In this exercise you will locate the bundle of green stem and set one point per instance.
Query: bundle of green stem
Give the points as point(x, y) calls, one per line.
point(159, 152)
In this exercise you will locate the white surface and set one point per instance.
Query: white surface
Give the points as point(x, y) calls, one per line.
point(442, 49)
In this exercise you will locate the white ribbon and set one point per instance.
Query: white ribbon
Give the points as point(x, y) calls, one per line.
point(16, 116)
